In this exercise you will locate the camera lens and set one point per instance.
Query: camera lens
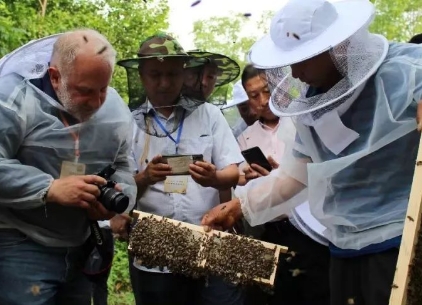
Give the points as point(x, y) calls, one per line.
point(113, 200)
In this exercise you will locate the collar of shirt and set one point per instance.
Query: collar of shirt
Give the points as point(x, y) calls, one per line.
point(149, 108)
point(265, 127)
point(44, 84)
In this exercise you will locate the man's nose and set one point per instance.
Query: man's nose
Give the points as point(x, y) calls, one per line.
point(296, 70)
point(165, 82)
point(97, 100)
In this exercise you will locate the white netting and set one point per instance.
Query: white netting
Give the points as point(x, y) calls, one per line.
point(191, 97)
point(31, 60)
point(357, 58)
point(144, 116)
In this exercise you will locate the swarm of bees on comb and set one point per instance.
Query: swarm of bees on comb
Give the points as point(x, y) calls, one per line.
point(238, 259)
point(187, 249)
point(159, 243)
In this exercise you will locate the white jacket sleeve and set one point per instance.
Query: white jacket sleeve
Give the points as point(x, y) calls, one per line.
point(21, 186)
point(267, 198)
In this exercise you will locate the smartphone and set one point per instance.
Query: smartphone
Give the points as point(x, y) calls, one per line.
point(180, 163)
point(256, 156)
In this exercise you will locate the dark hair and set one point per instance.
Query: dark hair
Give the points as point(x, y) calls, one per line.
point(416, 39)
point(250, 72)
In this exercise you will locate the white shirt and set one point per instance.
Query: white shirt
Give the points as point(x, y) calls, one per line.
point(265, 138)
point(205, 131)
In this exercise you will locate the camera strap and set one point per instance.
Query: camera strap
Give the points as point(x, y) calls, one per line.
point(96, 234)
point(97, 241)
point(98, 256)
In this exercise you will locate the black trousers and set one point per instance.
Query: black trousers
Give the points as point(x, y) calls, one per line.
point(166, 289)
point(302, 276)
point(363, 280)
point(134, 278)
point(151, 288)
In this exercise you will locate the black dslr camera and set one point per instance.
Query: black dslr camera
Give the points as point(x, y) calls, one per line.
point(111, 199)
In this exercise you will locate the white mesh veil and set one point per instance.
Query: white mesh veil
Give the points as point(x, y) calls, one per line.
point(356, 58)
point(30, 60)
point(145, 116)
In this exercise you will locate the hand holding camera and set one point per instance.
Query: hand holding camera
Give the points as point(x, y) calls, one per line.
point(76, 191)
point(97, 193)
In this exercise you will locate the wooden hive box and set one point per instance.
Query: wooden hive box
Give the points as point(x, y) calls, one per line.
point(205, 236)
point(407, 285)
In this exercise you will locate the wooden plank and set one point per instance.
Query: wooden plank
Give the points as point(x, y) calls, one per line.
point(199, 229)
point(410, 236)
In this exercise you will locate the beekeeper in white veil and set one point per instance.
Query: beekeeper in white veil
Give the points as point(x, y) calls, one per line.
point(353, 97)
point(60, 125)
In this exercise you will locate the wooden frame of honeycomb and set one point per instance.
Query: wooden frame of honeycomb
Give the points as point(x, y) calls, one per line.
point(200, 230)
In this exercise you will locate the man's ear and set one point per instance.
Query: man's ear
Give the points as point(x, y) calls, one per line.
point(54, 77)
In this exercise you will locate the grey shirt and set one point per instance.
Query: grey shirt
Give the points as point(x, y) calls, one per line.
point(34, 144)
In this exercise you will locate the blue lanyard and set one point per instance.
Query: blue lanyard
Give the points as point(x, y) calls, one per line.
point(179, 131)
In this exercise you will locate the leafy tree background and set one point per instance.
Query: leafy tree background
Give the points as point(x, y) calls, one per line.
point(125, 23)
point(398, 20)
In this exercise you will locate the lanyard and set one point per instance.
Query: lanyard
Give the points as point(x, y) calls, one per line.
point(74, 135)
point(179, 131)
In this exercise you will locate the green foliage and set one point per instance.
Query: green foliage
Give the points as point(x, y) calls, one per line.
point(11, 35)
point(226, 35)
point(119, 287)
point(223, 35)
point(124, 23)
point(127, 24)
point(264, 22)
point(232, 115)
point(398, 20)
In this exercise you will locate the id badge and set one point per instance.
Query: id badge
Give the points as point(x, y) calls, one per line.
point(176, 184)
point(72, 169)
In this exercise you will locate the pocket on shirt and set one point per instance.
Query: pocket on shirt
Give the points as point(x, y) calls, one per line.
point(198, 146)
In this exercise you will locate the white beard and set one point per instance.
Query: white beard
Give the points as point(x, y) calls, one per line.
point(64, 97)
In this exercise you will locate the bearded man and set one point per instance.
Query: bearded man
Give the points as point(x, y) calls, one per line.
point(56, 109)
